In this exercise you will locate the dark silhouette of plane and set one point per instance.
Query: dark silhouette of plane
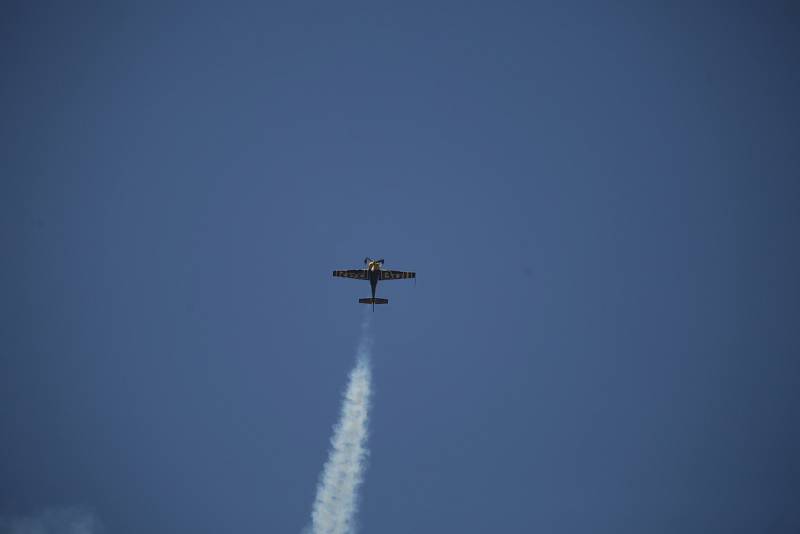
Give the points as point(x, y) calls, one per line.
point(374, 272)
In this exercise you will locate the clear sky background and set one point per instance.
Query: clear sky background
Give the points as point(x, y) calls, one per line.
point(601, 206)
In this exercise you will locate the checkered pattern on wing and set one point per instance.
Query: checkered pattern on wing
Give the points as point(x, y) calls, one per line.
point(397, 275)
point(356, 274)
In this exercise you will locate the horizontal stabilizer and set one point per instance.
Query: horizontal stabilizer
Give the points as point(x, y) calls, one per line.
point(373, 301)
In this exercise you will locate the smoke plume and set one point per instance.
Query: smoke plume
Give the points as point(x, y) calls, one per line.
point(337, 492)
point(53, 521)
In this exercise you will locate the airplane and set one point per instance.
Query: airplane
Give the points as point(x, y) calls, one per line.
point(374, 272)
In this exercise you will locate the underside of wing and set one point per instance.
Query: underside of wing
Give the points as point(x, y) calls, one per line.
point(356, 274)
point(397, 275)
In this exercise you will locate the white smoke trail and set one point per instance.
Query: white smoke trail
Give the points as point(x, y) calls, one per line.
point(337, 492)
point(53, 521)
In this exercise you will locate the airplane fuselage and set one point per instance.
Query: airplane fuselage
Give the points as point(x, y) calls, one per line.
point(374, 274)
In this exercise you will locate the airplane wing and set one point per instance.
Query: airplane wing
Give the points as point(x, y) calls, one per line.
point(356, 274)
point(397, 275)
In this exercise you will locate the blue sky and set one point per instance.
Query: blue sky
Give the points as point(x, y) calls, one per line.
point(600, 204)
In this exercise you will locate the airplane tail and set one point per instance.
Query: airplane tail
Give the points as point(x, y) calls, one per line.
point(373, 301)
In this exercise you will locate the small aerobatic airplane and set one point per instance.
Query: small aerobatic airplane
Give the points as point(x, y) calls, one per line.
point(374, 272)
